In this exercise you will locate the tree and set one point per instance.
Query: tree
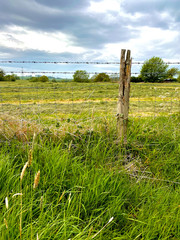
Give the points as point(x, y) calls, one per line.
point(172, 72)
point(154, 70)
point(2, 74)
point(43, 79)
point(102, 77)
point(178, 78)
point(81, 76)
point(12, 78)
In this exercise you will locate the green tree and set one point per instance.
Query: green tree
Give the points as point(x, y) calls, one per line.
point(12, 78)
point(81, 76)
point(43, 79)
point(2, 74)
point(172, 72)
point(178, 78)
point(102, 77)
point(154, 70)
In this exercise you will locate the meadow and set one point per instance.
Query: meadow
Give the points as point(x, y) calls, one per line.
point(90, 185)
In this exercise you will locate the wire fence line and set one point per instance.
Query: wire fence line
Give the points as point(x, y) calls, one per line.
point(81, 62)
point(69, 107)
point(59, 72)
point(76, 63)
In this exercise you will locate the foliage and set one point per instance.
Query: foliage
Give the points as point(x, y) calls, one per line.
point(136, 79)
point(43, 79)
point(12, 78)
point(154, 70)
point(81, 76)
point(2, 74)
point(102, 77)
point(178, 78)
point(172, 72)
point(39, 79)
point(33, 79)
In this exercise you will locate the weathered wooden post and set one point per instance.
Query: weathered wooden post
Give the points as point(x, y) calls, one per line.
point(124, 93)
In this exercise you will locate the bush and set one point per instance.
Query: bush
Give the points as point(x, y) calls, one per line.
point(39, 79)
point(102, 77)
point(12, 78)
point(43, 79)
point(178, 79)
point(33, 79)
point(81, 76)
point(2, 74)
point(136, 79)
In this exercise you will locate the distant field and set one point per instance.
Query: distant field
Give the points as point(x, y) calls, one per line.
point(57, 99)
point(70, 106)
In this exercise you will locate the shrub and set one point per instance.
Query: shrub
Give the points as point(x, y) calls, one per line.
point(178, 79)
point(33, 79)
point(39, 79)
point(2, 74)
point(136, 79)
point(12, 78)
point(81, 76)
point(43, 79)
point(102, 77)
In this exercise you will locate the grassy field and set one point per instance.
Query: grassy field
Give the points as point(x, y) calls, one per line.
point(54, 105)
point(90, 187)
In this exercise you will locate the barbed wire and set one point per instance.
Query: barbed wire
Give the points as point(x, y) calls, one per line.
point(90, 73)
point(56, 72)
point(81, 62)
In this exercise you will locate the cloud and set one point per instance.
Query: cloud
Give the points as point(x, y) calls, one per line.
point(24, 39)
point(88, 29)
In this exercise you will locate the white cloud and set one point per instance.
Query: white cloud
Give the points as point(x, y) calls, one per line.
point(149, 39)
point(20, 38)
point(104, 6)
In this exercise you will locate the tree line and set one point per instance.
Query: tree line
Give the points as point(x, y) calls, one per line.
point(153, 70)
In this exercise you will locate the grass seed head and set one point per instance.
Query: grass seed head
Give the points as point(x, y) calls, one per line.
point(5, 222)
point(30, 157)
point(36, 179)
point(6, 203)
point(17, 194)
point(23, 170)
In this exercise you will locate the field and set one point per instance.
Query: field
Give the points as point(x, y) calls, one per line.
point(90, 186)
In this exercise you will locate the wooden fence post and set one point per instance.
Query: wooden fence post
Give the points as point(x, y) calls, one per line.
point(124, 93)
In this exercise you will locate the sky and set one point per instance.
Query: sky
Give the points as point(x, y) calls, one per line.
point(87, 30)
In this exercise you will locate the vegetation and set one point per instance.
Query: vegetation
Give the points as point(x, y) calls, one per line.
point(81, 76)
point(2, 74)
point(63, 175)
point(11, 77)
point(101, 77)
point(39, 79)
point(136, 79)
point(172, 72)
point(154, 70)
point(178, 78)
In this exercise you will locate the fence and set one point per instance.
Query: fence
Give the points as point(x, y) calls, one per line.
point(62, 107)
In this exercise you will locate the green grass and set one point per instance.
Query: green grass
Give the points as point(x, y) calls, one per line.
point(87, 177)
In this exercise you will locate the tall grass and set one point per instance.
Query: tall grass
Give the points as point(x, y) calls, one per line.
point(88, 179)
